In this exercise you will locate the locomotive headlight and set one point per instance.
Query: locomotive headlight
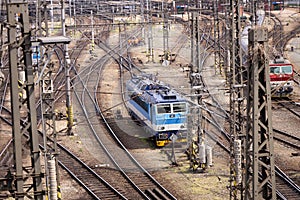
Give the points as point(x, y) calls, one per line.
point(281, 89)
point(162, 128)
point(182, 126)
point(163, 136)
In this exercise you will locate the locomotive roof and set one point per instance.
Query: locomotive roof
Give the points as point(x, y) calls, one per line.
point(279, 61)
point(162, 96)
point(154, 91)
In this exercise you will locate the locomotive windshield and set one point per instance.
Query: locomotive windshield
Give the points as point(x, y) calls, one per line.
point(179, 107)
point(286, 69)
point(171, 108)
point(274, 70)
point(163, 108)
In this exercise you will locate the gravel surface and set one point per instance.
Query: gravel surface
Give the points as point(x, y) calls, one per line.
point(180, 180)
point(183, 182)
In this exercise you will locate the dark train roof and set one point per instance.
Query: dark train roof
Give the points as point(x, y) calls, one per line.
point(279, 60)
point(154, 91)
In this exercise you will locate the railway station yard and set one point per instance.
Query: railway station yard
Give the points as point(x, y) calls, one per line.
point(180, 180)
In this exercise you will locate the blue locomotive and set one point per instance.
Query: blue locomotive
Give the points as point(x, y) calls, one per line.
point(161, 109)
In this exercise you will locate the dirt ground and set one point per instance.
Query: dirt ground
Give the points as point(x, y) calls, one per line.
point(182, 181)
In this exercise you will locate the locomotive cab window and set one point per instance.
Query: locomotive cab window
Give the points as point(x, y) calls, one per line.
point(274, 70)
point(141, 85)
point(179, 107)
point(163, 108)
point(287, 69)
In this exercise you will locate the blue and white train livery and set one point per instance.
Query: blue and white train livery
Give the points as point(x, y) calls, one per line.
point(161, 109)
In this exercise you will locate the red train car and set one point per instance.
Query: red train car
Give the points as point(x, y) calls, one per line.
point(281, 77)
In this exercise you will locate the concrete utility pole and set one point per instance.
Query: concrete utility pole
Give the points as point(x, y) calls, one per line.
point(142, 11)
point(192, 25)
point(93, 33)
point(219, 60)
point(166, 54)
point(75, 16)
point(259, 139)
point(149, 35)
point(196, 38)
point(67, 66)
point(226, 38)
point(2, 77)
point(31, 178)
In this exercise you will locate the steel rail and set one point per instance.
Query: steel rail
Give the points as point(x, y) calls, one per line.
point(279, 194)
point(294, 144)
point(115, 57)
point(72, 172)
point(286, 106)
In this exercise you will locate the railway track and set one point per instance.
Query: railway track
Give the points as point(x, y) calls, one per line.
point(142, 183)
point(287, 139)
point(135, 176)
point(59, 82)
point(290, 105)
point(287, 189)
point(290, 140)
point(94, 184)
point(90, 181)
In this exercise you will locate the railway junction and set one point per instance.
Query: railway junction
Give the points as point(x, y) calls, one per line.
point(67, 133)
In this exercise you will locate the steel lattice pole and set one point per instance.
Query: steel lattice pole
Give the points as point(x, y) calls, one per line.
point(259, 146)
point(20, 59)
